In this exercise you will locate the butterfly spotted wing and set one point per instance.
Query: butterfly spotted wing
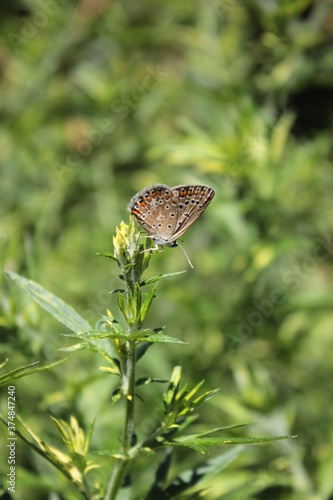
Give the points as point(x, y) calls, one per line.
point(166, 213)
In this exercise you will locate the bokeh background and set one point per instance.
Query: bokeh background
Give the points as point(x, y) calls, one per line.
point(99, 99)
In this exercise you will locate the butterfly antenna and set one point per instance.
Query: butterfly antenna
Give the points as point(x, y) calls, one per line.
point(188, 259)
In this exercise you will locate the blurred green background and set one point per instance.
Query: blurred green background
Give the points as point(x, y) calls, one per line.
point(99, 99)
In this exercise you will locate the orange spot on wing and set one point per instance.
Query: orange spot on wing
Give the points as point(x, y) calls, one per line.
point(142, 204)
point(135, 212)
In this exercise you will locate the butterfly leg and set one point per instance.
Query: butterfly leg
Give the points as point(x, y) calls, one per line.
point(151, 249)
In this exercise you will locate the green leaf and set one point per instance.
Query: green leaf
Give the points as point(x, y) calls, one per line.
point(74, 347)
point(170, 395)
point(113, 370)
point(160, 337)
point(204, 397)
point(89, 433)
point(95, 335)
point(217, 429)
point(112, 453)
point(192, 477)
point(200, 444)
point(145, 331)
point(8, 377)
point(147, 451)
point(193, 445)
point(116, 395)
point(5, 362)
point(114, 325)
point(149, 380)
point(141, 349)
point(194, 391)
point(134, 305)
point(147, 303)
point(62, 312)
point(158, 277)
point(107, 254)
point(121, 302)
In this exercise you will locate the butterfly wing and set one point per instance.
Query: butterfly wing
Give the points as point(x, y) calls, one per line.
point(155, 209)
point(192, 201)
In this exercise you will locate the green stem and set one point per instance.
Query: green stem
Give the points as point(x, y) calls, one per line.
point(128, 388)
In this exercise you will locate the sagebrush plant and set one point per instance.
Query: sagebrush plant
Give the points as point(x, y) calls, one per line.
point(122, 348)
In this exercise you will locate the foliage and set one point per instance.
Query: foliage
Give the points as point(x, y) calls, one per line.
point(133, 259)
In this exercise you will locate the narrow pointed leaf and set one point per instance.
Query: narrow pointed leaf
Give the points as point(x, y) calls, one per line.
point(116, 395)
point(61, 425)
point(160, 337)
point(114, 325)
point(141, 349)
point(172, 390)
point(121, 302)
point(61, 311)
point(194, 391)
point(145, 332)
point(193, 445)
point(218, 429)
point(88, 437)
point(23, 371)
point(155, 279)
point(182, 394)
point(107, 254)
point(136, 303)
point(95, 335)
point(74, 347)
point(113, 370)
point(149, 380)
point(112, 453)
point(147, 303)
point(192, 477)
point(147, 451)
point(213, 441)
point(204, 397)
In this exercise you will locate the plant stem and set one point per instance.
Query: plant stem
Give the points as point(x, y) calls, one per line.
point(128, 388)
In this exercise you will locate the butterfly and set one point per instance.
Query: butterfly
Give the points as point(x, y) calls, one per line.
point(166, 213)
